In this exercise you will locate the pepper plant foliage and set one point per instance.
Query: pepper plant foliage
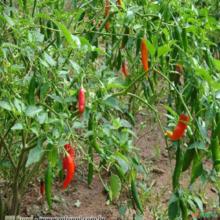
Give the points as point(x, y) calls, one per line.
point(49, 49)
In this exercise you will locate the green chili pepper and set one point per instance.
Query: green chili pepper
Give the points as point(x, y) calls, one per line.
point(197, 167)
point(187, 159)
point(31, 90)
point(48, 185)
point(184, 39)
point(178, 167)
point(135, 195)
point(215, 148)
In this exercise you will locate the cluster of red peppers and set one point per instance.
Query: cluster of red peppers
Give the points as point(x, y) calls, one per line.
point(144, 59)
point(180, 128)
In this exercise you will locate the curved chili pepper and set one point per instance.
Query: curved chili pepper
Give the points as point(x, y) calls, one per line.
point(70, 170)
point(42, 188)
point(71, 151)
point(107, 11)
point(81, 100)
point(144, 54)
point(180, 128)
point(124, 69)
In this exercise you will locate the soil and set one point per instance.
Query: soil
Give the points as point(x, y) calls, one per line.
point(80, 200)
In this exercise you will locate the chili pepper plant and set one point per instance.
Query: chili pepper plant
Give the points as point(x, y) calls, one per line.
point(75, 74)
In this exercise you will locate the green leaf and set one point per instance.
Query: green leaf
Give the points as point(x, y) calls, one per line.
point(113, 103)
point(217, 95)
point(17, 126)
point(42, 117)
point(151, 48)
point(34, 155)
point(163, 50)
point(5, 105)
point(49, 59)
point(31, 111)
point(216, 64)
point(138, 217)
point(199, 203)
point(19, 105)
point(173, 208)
point(73, 41)
point(9, 20)
point(122, 161)
point(198, 145)
point(114, 186)
point(75, 66)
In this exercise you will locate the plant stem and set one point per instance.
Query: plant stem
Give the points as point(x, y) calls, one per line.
point(34, 7)
point(8, 151)
point(177, 91)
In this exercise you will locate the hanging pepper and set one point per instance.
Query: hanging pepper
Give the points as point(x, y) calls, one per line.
point(81, 100)
point(70, 170)
point(48, 185)
point(124, 69)
point(180, 128)
point(42, 188)
point(107, 11)
point(144, 54)
point(71, 151)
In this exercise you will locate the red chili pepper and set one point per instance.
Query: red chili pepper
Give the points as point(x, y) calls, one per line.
point(70, 150)
point(144, 54)
point(81, 100)
point(107, 11)
point(124, 69)
point(180, 128)
point(42, 188)
point(70, 170)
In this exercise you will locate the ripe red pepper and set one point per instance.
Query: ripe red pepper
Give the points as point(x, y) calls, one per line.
point(70, 170)
point(81, 100)
point(144, 54)
point(124, 69)
point(107, 11)
point(42, 188)
point(180, 128)
point(70, 150)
